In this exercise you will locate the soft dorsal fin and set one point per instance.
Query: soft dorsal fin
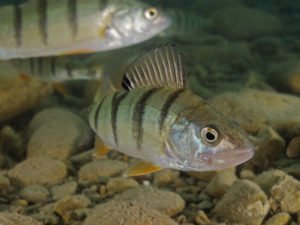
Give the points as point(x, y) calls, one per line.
point(161, 67)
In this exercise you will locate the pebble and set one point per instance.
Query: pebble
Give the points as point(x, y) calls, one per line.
point(243, 203)
point(35, 193)
point(293, 149)
point(203, 176)
point(16, 219)
point(62, 190)
point(93, 171)
point(164, 201)
point(221, 182)
point(201, 218)
point(18, 96)
point(129, 213)
point(269, 145)
point(65, 206)
point(4, 182)
point(293, 170)
point(120, 184)
point(284, 190)
point(38, 170)
point(277, 110)
point(165, 177)
point(285, 76)
point(279, 219)
point(240, 22)
point(45, 139)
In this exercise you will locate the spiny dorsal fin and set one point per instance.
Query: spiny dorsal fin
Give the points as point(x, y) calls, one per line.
point(161, 67)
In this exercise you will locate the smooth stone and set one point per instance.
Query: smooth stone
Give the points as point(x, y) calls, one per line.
point(279, 219)
point(165, 177)
point(45, 139)
point(63, 190)
point(244, 203)
point(94, 170)
point(35, 193)
point(19, 96)
point(66, 205)
point(293, 149)
point(4, 182)
point(240, 22)
point(164, 201)
point(38, 170)
point(120, 184)
point(281, 111)
point(221, 182)
point(7, 218)
point(129, 213)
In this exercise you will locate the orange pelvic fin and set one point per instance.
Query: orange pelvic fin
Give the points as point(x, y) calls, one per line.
point(76, 52)
point(60, 88)
point(141, 168)
point(100, 148)
point(25, 77)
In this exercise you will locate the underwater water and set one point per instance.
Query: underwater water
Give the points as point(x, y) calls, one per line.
point(240, 59)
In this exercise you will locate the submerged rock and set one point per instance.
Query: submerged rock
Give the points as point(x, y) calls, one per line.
point(57, 133)
point(293, 149)
point(35, 193)
point(240, 22)
point(38, 170)
point(120, 184)
point(16, 219)
point(101, 168)
point(167, 202)
point(269, 146)
point(129, 213)
point(280, 111)
point(63, 190)
point(18, 96)
point(284, 190)
point(244, 203)
point(279, 219)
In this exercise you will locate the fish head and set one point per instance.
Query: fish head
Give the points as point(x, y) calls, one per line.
point(206, 140)
point(138, 23)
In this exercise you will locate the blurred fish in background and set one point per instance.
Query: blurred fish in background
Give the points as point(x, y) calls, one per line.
point(46, 28)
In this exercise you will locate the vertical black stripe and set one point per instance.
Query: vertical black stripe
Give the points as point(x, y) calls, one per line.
point(43, 20)
point(40, 66)
point(166, 107)
point(73, 17)
point(138, 116)
point(18, 25)
point(97, 112)
point(69, 70)
point(31, 65)
point(116, 101)
point(53, 66)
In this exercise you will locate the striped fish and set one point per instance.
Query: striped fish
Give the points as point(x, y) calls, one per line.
point(61, 27)
point(164, 124)
point(57, 69)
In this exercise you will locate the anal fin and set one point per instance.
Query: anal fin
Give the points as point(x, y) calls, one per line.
point(141, 168)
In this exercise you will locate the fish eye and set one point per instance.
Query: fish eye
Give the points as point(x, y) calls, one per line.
point(151, 13)
point(210, 135)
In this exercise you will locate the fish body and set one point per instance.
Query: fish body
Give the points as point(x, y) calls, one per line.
point(57, 69)
point(61, 27)
point(160, 121)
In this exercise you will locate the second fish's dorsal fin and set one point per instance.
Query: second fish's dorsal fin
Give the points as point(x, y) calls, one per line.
point(161, 67)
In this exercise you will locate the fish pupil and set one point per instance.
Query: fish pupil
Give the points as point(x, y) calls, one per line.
point(210, 136)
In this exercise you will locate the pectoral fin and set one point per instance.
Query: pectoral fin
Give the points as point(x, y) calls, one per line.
point(141, 168)
point(100, 148)
point(60, 88)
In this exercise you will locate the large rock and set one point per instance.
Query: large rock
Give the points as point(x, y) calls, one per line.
point(16, 219)
point(255, 110)
point(164, 201)
point(38, 170)
point(244, 203)
point(239, 22)
point(47, 129)
point(18, 95)
point(284, 190)
point(129, 213)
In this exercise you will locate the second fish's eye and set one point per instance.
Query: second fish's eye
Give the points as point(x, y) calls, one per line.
point(151, 13)
point(210, 135)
